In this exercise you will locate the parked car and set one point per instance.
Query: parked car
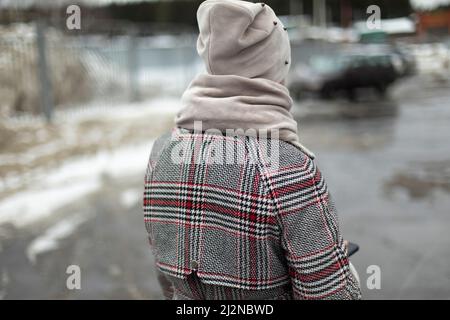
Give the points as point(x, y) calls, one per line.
point(344, 73)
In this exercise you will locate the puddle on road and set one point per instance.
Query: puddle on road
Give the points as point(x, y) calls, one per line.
point(421, 180)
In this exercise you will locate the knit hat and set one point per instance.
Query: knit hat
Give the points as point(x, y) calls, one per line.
point(244, 39)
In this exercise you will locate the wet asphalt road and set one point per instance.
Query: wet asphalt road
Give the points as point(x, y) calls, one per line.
point(110, 248)
point(387, 164)
point(388, 167)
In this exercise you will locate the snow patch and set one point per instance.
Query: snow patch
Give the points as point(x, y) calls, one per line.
point(72, 181)
point(50, 239)
point(428, 4)
point(27, 207)
point(130, 197)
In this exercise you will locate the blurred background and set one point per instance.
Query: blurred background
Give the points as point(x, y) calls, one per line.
point(80, 109)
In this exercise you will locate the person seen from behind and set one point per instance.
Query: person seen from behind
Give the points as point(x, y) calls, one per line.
point(234, 205)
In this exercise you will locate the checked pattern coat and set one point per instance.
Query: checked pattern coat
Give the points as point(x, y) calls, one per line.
point(246, 217)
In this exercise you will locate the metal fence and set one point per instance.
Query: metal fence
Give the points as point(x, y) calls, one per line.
point(42, 70)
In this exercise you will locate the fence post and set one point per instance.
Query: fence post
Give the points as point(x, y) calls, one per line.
point(133, 68)
point(46, 92)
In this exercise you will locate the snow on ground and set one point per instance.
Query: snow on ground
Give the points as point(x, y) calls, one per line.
point(94, 111)
point(428, 4)
point(432, 58)
point(73, 180)
point(49, 240)
point(24, 208)
point(34, 144)
point(49, 189)
point(130, 197)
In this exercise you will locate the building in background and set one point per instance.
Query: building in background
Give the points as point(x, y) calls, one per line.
point(433, 16)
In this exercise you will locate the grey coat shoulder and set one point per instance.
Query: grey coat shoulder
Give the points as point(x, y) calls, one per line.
point(289, 153)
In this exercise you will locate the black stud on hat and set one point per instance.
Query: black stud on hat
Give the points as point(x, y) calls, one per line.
point(275, 23)
point(286, 62)
point(263, 4)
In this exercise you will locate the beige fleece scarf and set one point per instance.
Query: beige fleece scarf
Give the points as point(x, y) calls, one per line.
point(233, 102)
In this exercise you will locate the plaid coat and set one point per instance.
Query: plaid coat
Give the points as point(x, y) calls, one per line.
point(245, 214)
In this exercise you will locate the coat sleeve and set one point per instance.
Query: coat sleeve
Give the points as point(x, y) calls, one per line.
point(314, 248)
point(165, 284)
point(157, 148)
